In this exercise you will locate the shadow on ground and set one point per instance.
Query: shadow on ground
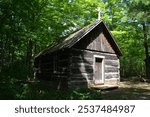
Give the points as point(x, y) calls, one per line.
point(129, 90)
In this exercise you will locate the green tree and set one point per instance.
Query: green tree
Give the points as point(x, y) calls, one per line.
point(140, 13)
point(29, 26)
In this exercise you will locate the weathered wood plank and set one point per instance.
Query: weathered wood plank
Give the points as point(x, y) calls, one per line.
point(110, 57)
point(98, 41)
point(82, 70)
point(63, 60)
point(114, 63)
point(83, 56)
point(64, 55)
point(109, 76)
point(46, 66)
point(105, 44)
point(82, 76)
point(63, 64)
point(81, 53)
point(46, 69)
point(111, 69)
point(83, 65)
point(82, 60)
point(46, 58)
point(88, 53)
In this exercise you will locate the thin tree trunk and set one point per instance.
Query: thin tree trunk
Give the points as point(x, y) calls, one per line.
point(11, 54)
point(1, 55)
point(29, 59)
point(34, 52)
point(147, 60)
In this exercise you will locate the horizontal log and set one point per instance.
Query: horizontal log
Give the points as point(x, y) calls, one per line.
point(62, 68)
point(46, 66)
point(82, 65)
point(51, 72)
point(46, 63)
point(51, 65)
point(109, 76)
point(63, 64)
point(92, 52)
point(106, 55)
point(82, 70)
point(63, 60)
point(111, 69)
point(110, 57)
point(82, 76)
point(46, 70)
point(75, 51)
point(82, 60)
point(64, 55)
point(45, 59)
point(114, 63)
point(89, 54)
point(80, 53)
point(83, 57)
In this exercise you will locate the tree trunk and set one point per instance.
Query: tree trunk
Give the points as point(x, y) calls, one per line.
point(1, 55)
point(147, 60)
point(11, 54)
point(29, 59)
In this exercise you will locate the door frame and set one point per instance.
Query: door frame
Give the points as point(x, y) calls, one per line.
point(103, 63)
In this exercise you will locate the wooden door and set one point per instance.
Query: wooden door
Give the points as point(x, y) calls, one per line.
point(98, 71)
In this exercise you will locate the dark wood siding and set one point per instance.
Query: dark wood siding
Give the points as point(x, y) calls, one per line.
point(95, 40)
point(54, 67)
point(81, 70)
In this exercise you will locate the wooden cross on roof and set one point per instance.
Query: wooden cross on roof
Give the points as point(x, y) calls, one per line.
point(99, 13)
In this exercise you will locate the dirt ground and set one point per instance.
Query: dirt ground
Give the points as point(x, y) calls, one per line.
point(129, 90)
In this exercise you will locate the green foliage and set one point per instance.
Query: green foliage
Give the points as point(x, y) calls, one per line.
point(139, 10)
point(138, 15)
point(43, 22)
point(34, 90)
point(132, 61)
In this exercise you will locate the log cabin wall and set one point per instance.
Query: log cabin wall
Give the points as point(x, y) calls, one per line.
point(53, 68)
point(73, 61)
point(95, 43)
point(82, 67)
point(112, 69)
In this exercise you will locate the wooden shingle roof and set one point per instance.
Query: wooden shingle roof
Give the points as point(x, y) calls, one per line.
point(72, 39)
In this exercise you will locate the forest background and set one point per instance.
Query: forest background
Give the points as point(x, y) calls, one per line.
point(29, 26)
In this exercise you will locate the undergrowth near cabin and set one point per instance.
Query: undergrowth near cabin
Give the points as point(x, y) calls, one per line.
point(34, 91)
point(128, 90)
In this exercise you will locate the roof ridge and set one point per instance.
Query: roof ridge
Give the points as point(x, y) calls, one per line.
point(73, 38)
